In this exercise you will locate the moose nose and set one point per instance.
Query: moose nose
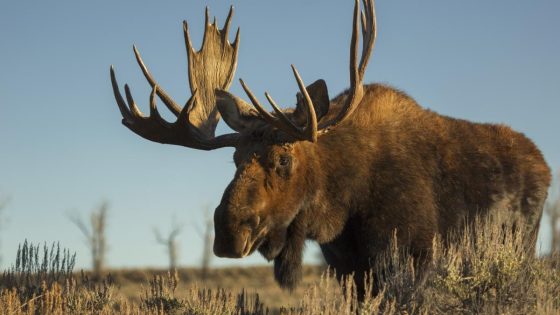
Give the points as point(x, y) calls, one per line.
point(231, 246)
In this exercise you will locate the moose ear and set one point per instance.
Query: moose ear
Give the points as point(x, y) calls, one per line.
point(237, 113)
point(320, 98)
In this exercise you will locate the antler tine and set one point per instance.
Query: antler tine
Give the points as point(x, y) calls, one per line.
point(167, 100)
point(369, 34)
point(188, 42)
point(310, 130)
point(153, 107)
point(357, 70)
point(354, 43)
point(133, 108)
point(154, 112)
point(225, 29)
point(363, 21)
point(118, 97)
point(236, 40)
point(206, 15)
point(266, 115)
point(281, 114)
point(206, 24)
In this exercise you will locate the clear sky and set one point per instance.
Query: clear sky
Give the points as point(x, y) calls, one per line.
point(63, 149)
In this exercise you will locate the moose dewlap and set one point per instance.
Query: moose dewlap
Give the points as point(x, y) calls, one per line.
point(345, 172)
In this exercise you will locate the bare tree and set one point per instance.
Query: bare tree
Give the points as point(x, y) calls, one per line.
point(170, 243)
point(207, 235)
point(553, 211)
point(95, 234)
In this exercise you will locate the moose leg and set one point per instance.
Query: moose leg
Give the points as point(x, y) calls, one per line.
point(339, 258)
point(342, 255)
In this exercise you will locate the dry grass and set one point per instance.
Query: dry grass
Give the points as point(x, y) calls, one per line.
point(234, 279)
point(485, 270)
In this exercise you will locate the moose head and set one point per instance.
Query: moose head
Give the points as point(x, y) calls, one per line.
point(277, 154)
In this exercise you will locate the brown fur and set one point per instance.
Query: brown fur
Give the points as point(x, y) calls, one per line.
point(391, 165)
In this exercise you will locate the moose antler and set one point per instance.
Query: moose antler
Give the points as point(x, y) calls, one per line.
point(311, 130)
point(210, 68)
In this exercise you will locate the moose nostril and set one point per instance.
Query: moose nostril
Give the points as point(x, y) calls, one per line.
point(250, 224)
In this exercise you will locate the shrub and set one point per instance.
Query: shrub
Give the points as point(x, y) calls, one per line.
point(486, 268)
point(35, 269)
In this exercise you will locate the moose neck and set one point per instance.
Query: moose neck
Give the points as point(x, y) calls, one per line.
point(328, 199)
point(336, 174)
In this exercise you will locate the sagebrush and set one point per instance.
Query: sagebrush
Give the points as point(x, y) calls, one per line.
point(485, 269)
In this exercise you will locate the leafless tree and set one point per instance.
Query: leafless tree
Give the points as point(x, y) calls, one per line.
point(170, 243)
point(206, 233)
point(553, 211)
point(95, 234)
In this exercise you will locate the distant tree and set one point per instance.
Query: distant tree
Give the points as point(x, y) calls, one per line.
point(206, 233)
point(170, 243)
point(95, 234)
point(553, 211)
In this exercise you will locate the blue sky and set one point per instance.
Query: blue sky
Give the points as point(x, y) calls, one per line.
point(63, 149)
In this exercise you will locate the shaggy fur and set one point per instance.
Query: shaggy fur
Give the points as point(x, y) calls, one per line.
point(391, 165)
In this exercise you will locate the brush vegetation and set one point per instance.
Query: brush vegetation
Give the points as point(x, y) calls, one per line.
point(485, 269)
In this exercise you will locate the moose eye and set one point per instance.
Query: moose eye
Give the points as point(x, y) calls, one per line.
point(284, 161)
point(284, 166)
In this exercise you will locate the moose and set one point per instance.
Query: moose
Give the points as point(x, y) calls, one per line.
point(345, 172)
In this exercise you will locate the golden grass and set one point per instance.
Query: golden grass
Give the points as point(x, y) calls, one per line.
point(487, 269)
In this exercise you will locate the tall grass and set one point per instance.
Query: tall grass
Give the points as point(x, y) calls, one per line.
point(37, 267)
point(487, 268)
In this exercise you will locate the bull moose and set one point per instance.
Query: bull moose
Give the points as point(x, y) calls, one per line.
point(344, 172)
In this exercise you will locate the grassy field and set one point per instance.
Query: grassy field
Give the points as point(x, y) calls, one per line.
point(254, 280)
point(485, 269)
